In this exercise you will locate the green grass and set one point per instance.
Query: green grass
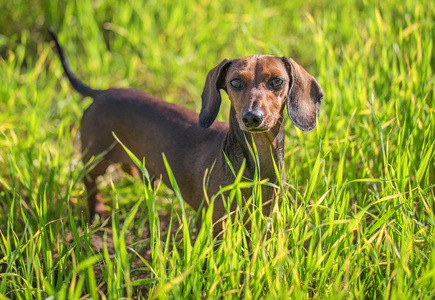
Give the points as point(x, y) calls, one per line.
point(357, 218)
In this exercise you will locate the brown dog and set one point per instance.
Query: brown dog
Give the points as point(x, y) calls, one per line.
point(259, 88)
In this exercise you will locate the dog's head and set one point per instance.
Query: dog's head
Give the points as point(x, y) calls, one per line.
point(258, 87)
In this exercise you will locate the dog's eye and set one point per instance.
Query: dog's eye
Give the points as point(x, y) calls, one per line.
point(237, 84)
point(276, 82)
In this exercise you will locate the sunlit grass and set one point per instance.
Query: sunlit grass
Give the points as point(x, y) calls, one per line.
point(357, 212)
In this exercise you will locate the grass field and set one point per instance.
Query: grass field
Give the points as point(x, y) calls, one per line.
point(357, 219)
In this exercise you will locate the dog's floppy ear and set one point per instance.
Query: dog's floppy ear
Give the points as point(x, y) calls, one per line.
point(211, 97)
point(304, 96)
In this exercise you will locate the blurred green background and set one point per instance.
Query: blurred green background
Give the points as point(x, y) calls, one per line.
point(362, 182)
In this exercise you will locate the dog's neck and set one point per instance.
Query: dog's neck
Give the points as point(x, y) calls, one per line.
point(270, 147)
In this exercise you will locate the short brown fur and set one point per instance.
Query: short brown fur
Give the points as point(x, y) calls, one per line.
point(149, 127)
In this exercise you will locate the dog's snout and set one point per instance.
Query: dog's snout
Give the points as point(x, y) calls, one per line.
point(253, 118)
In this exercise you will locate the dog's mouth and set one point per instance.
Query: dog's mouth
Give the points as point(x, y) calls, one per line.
point(255, 129)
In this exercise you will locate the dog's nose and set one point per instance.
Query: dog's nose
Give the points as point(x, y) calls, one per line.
point(253, 118)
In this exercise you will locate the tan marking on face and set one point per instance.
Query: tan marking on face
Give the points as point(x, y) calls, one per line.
point(256, 73)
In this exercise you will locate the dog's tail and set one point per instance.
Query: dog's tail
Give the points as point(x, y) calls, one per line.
point(75, 82)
